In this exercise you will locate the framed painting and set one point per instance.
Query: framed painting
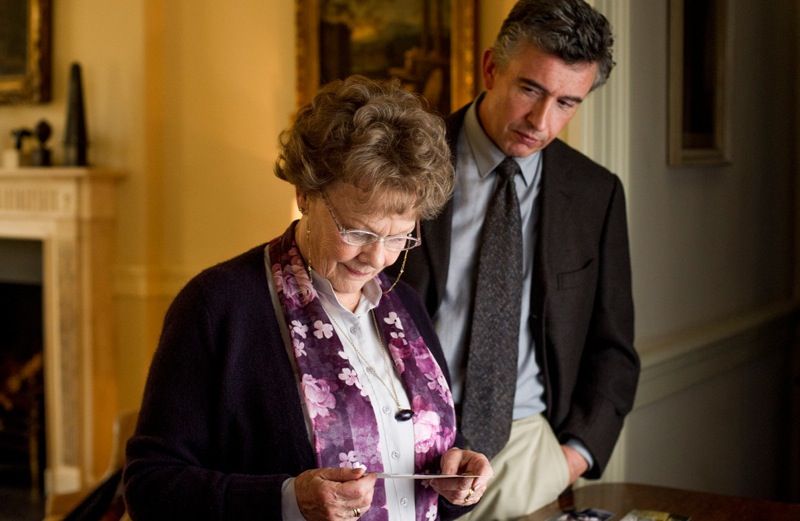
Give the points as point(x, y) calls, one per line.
point(698, 77)
point(25, 51)
point(427, 45)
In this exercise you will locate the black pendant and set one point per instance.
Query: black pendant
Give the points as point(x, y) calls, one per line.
point(403, 415)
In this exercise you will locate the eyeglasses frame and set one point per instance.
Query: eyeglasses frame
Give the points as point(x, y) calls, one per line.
point(416, 238)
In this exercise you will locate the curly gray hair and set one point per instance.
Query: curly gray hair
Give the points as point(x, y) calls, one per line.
point(375, 136)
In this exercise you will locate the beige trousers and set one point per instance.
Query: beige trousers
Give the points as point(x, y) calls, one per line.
point(530, 472)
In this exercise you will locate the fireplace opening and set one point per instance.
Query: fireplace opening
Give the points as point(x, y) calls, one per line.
point(22, 414)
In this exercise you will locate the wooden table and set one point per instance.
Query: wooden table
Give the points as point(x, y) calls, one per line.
point(621, 498)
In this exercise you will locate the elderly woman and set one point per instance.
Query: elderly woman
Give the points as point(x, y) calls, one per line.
point(297, 381)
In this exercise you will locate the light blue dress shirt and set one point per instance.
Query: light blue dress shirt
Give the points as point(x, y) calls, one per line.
point(476, 160)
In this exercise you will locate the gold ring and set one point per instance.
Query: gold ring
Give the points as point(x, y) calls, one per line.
point(469, 494)
point(356, 512)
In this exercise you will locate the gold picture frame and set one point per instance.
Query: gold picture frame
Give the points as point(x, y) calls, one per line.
point(698, 77)
point(449, 77)
point(25, 61)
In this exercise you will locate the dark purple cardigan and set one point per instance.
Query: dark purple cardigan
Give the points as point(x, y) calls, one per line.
point(221, 424)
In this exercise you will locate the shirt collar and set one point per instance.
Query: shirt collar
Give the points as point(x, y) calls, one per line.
point(370, 294)
point(486, 154)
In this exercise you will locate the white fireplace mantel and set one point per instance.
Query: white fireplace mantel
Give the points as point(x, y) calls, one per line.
point(71, 211)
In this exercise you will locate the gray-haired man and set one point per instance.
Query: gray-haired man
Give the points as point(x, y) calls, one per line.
point(546, 401)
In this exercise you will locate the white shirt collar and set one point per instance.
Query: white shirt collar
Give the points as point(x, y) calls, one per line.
point(371, 294)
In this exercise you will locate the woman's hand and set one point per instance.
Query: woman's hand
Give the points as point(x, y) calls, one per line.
point(329, 493)
point(463, 491)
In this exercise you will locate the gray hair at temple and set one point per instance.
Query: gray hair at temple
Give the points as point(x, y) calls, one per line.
point(375, 136)
point(570, 29)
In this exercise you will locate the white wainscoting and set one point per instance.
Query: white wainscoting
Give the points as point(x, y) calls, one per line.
point(712, 407)
point(142, 281)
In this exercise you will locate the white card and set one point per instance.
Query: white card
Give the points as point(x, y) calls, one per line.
point(384, 475)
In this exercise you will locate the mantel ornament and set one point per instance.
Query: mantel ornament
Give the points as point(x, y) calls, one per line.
point(75, 140)
point(40, 156)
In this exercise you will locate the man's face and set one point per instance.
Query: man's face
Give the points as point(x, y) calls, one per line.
point(531, 98)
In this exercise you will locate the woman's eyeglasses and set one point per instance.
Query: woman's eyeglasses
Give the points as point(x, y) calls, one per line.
point(399, 242)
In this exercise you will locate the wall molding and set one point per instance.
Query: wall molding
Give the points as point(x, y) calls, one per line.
point(674, 363)
point(145, 282)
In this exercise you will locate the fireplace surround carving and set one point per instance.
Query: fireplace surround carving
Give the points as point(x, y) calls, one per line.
point(71, 211)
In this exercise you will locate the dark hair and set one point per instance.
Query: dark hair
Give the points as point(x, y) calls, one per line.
point(570, 29)
point(373, 135)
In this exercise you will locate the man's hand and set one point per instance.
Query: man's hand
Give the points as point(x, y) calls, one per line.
point(577, 465)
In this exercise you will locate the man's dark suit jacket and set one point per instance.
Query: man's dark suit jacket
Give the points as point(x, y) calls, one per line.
point(582, 309)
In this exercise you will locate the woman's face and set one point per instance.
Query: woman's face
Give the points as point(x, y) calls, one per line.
point(347, 267)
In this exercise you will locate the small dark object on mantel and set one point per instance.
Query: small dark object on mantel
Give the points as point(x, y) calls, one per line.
point(19, 136)
point(14, 158)
point(75, 140)
point(41, 155)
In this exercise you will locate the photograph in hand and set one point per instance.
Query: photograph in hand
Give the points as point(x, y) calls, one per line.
point(384, 475)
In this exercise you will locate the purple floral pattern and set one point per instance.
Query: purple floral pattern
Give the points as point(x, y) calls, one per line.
point(318, 395)
point(345, 430)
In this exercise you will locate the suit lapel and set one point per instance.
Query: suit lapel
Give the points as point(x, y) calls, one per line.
point(556, 198)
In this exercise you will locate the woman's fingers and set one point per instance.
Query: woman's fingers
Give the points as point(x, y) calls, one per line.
point(331, 493)
point(463, 491)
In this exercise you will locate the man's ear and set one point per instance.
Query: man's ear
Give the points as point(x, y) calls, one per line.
point(489, 69)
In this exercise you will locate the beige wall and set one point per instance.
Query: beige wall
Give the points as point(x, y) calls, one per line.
point(186, 98)
point(728, 228)
point(714, 261)
point(490, 17)
point(217, 95)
